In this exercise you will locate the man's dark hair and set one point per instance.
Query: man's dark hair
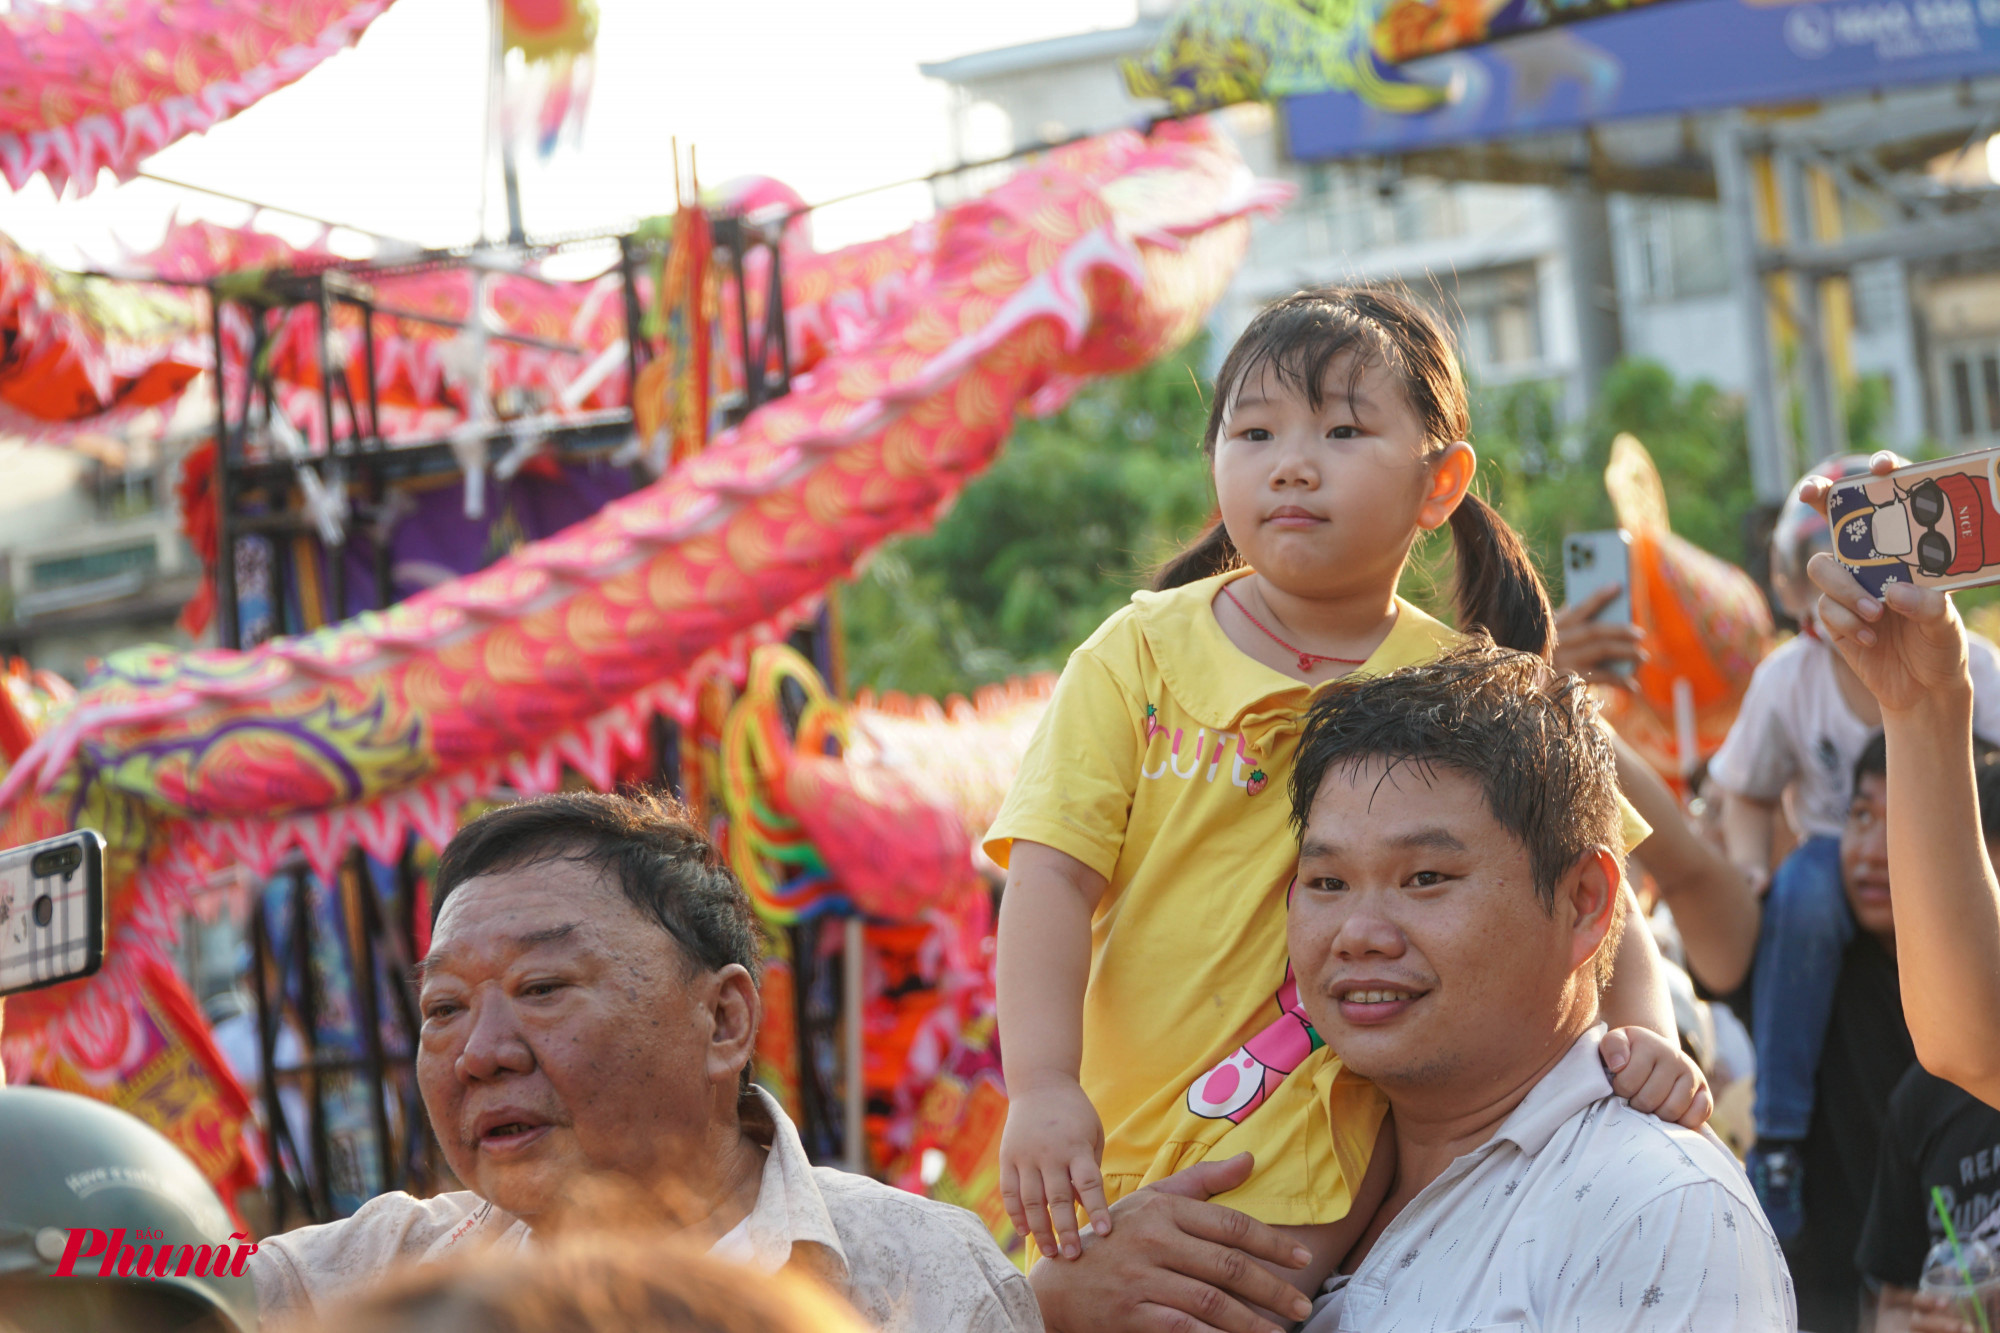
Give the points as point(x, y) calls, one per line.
point(1874, 760)
point(1985, 771)
point(647, 844)
point(1986, 775)
point(1527, 732)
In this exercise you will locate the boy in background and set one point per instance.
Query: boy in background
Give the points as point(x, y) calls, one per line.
point(1938, 1136)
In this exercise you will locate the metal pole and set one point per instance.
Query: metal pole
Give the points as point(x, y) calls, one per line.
point(495, 57)
point(1823, 424)
point(853, 972)
point(320, 1195)
point(400, 938)
point(282, 566)
point(336, 555)
point(667, 754)
point(635, 319)
point(1771, 466)
point(228, 629)
point(510, 178)
point(804, 940)
point(628, 273)
point(361, 925)
point(368, 351)
point(774, 326)
point(753, 376)
point(267, 1042)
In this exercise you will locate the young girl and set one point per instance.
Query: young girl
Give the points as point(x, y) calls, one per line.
point(1149, 1019)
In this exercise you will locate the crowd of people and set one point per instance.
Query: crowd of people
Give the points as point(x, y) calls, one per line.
point(1331, 980)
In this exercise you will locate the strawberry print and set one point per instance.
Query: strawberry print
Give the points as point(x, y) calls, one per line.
point(1257, 781)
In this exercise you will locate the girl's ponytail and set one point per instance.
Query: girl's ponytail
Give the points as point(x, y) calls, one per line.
point(1497, 588)
point(1210, 554)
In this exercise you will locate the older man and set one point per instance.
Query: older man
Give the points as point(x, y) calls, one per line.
point(589, 1007)
point(1458, 875)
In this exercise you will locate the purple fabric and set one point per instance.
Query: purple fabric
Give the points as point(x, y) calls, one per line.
point(434, 540)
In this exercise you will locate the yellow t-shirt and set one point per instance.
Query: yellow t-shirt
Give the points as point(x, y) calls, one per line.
point(1164, 764)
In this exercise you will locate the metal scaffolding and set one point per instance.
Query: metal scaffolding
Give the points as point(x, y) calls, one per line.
point(265, 478)
point(1807, 200)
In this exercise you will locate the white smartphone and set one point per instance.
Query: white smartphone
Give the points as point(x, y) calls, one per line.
point(51, 911)
point(1593, 561)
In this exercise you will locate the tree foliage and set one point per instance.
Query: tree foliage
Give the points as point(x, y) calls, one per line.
point(1053, 538)
point(1081, 505)
point(1549, 481)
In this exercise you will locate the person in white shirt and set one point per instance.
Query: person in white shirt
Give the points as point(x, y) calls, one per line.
point(1459, 864)
point(1805, 720)
point(1455, 907)
point(589, 1008)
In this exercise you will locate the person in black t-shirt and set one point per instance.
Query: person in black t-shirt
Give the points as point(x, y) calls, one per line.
point(1866, 1053)
point(1938, 1136)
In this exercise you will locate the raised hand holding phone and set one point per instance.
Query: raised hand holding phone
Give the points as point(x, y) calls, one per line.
point(1931, 524)
point(1908, 647)
point(1905, 642)
point(51, 911)
point(1595, 635)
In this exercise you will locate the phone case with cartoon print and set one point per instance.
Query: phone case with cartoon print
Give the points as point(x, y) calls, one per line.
point(1931, 524)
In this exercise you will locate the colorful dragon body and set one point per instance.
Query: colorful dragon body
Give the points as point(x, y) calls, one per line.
point(569, 357)
point(1212, 53)
point(1094, 260)
point(74, 351)
point(105, 83)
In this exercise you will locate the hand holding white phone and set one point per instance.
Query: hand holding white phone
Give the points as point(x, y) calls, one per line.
point(51, 911)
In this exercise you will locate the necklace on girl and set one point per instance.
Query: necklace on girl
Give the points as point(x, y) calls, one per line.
point(1306, 659)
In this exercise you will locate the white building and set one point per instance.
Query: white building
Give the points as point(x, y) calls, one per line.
point(1542, 283)
point(91, 554)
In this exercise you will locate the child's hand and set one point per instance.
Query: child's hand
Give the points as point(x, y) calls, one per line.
point(1656, 1077)
point(1049, 1156)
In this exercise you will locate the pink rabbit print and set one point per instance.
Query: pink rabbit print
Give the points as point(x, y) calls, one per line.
point(1239, 1085)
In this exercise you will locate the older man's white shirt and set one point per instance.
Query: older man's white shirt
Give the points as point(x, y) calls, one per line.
point(1579, 1215)
point(908, 1264)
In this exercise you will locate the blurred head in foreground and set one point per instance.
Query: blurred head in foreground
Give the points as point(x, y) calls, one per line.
point(594, 1282)
point(107, 1226)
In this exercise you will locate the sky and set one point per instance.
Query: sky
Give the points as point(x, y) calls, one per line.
point(387, 136)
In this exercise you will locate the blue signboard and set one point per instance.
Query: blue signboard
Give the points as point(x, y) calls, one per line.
point(1663, 59)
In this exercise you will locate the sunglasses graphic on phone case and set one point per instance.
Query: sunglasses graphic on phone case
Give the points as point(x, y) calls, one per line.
point(1931, 524)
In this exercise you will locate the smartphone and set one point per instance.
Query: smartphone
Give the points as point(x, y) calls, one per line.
point(1931, 524)
point(1593, 561)
point(51, 911)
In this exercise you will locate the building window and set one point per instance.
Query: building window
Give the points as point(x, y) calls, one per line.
point(1497, 317)
point(1972, 393)
point(1423, 210)
point(1989, 378)
point(1680, 249)
point(90, 566)
point(1878, 292)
